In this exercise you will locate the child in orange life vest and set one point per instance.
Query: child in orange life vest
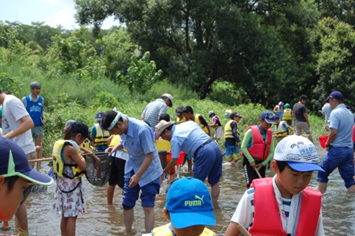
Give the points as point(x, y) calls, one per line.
point(68, 197)
point(258, 147)
point(283, 205)
point(189, 209)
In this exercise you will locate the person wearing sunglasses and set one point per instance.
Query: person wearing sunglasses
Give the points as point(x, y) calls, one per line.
point(16, 177)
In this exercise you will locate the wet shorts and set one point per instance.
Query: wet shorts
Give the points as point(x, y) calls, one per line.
point(131, 195)
point(340, 157)
point(208, 163)
point(37, 131)
point(230, 150)
point(116, 171)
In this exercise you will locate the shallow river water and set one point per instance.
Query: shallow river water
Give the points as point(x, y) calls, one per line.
point(101, 219)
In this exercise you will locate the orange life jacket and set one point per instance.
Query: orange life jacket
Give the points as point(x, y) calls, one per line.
point(265, 206)
point(260, 149)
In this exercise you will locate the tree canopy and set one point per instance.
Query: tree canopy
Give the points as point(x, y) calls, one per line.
point(262, 51)
point(262, 47)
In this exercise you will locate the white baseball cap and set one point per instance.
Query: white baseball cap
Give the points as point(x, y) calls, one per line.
point(299, 153)
point(170, 98)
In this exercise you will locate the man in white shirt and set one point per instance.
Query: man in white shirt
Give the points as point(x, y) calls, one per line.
point(16, 125)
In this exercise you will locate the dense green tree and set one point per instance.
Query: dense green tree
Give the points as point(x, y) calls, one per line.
point(36, 35)
point(336, 60)
point(73, 55)
point(259, 46)
point(141, 74)
point(342, 10)
point(116, 50)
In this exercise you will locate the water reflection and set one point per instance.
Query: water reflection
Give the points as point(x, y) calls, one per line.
point(338, 208)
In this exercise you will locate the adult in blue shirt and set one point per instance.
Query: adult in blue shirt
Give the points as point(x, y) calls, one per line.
point(191, 139)
point(143, 168)
point(339, 144)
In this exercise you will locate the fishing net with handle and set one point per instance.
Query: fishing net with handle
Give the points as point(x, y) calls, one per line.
point(97, 175)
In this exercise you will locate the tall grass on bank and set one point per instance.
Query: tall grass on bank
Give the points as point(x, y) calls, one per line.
point(67, 97)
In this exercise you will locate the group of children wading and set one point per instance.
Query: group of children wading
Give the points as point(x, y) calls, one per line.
point(282, 205)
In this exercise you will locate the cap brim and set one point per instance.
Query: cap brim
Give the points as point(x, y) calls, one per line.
point(327, 100)
point(304, 167)
point(187, 219)
point(90, 138)
point(178, 114)
point(240, 116)
point(269, 121)
point(36, 177)
point(98, 119)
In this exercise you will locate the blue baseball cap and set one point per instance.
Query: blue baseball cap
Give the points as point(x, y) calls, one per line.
point(336, 95)
point(99, 116)
point(269, 117)
point(13, 162)
point(299, 153)
point(189, 203)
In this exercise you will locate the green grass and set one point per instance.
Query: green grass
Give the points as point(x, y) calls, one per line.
point(67, 97)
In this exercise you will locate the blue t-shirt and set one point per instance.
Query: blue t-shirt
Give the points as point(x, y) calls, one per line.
point(342, 120)
point(187, 137)
point(139, 141)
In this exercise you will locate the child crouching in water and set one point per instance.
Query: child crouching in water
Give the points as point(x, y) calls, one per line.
point(283, 205)
point(69, 166)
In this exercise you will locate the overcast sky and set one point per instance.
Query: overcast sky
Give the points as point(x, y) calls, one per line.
point(52, 12)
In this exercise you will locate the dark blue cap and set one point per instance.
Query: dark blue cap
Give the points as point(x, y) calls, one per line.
point(269, 117)
point(99, 116)
point(13, 162)
point(81, 128)
point(336, 95)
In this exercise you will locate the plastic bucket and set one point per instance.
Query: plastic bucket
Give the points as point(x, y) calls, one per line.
point(180, 159)
point(322, 140)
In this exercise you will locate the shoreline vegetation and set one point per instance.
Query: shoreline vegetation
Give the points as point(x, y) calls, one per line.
point(78, 81)
point(67, 99)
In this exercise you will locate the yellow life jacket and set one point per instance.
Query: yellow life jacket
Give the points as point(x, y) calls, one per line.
point(86, 144)
point(167, 230)
point(101, 136)
point(203, 127)
point(287, 114)
point(280, 131)
point(228, 132)
point(116, 140)
point(58, 160)
point(179, 121)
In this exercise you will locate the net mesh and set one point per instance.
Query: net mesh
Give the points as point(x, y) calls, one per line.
point(97, 174)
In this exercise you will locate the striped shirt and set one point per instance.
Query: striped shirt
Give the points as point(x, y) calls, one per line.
point(153, 110)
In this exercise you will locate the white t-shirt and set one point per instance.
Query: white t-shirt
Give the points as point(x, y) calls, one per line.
point(244, 213)
point(13, 111)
